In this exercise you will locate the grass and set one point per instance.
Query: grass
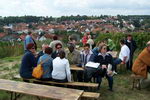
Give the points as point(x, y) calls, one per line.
point(122, 84)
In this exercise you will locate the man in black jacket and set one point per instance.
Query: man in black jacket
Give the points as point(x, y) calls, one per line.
point(132, 46)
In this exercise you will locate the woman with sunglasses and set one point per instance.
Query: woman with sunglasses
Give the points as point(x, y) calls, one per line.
point(28, 62)
point(105, 61)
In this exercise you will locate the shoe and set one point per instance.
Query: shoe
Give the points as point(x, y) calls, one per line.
point(110, 90)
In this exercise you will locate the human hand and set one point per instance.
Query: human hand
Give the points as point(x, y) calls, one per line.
point(104, 66)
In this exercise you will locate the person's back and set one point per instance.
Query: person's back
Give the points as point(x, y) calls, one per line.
point(61, 69)
point(47, 64)
point(125, 52)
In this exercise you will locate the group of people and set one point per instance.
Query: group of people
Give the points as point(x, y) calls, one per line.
point(56, 60)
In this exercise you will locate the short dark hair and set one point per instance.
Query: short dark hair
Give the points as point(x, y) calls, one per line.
point(29, 33)
point(48, 50)
point(58, 44)
point(87, 45)
point(122, 41)
point(55, 37)
point(62, 54)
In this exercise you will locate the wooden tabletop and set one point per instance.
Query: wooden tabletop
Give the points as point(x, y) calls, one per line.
point(113, 53)
point(76, 68)
point(56, 93)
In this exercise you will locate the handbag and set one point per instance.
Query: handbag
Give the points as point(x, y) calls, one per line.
point(38, 70)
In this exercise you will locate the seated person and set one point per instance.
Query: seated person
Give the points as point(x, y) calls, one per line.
point(28, 62)
point(124, 55)
point(61, 68)
point(85, 56)
point(58, 47)
point(54, 42)
point(41, 53)
point(105, 61)
point(96, 49)
point(142, 62)
point(47, 65)
point(73, 55)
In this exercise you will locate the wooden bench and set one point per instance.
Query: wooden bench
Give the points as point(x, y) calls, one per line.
point(136, 81)
point(90, 95)
point(76, 68)
point(74, 84)
point(52, 92)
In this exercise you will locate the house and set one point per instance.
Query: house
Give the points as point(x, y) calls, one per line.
point(42, 38)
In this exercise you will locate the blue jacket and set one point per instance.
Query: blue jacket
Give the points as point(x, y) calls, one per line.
point(27, 65)
point(47, 65)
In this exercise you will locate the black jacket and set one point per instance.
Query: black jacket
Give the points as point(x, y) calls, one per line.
point(132, 46)
point(108, 59)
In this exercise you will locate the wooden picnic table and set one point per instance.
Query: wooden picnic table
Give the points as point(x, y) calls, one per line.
point(56, 93)
point(113, 53)
point(76, 68)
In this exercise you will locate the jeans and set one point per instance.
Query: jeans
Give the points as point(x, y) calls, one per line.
point(116, 62)
point(109, 78)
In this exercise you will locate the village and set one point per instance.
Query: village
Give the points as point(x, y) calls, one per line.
point(44, 30)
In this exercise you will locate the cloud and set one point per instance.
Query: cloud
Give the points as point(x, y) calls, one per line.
point(73, 7)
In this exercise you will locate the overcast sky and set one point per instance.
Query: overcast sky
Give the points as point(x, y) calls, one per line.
point(73, 7)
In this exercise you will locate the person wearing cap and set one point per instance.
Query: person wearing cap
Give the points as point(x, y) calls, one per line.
point(132, 46)
point(28, 62)
point(142, 62)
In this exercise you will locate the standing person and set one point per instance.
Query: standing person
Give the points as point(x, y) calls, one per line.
point(29, 39)
point(28, 62)
point(124, 55)
point(47, 64)
point(84, 39)
point(132, 46)
point(90, 41)
point(54, 42)
point(61, 68)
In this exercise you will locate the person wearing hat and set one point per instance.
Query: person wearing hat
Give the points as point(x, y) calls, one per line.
point(132, 46)
point(28, 62)
point(142, 62)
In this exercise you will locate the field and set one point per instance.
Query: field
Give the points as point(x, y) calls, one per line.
point(122, 83)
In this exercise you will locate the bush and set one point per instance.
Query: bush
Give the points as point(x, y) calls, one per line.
point(140, 38)
point(7, 49)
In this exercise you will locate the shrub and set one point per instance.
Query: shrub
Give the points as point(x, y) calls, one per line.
point(7, 49)
point(140, 38)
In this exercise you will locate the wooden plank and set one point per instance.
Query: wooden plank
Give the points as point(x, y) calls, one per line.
point(75, 68)
point(56, 93)
point(81, 84)
point(113, 53)
point(91, 95)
